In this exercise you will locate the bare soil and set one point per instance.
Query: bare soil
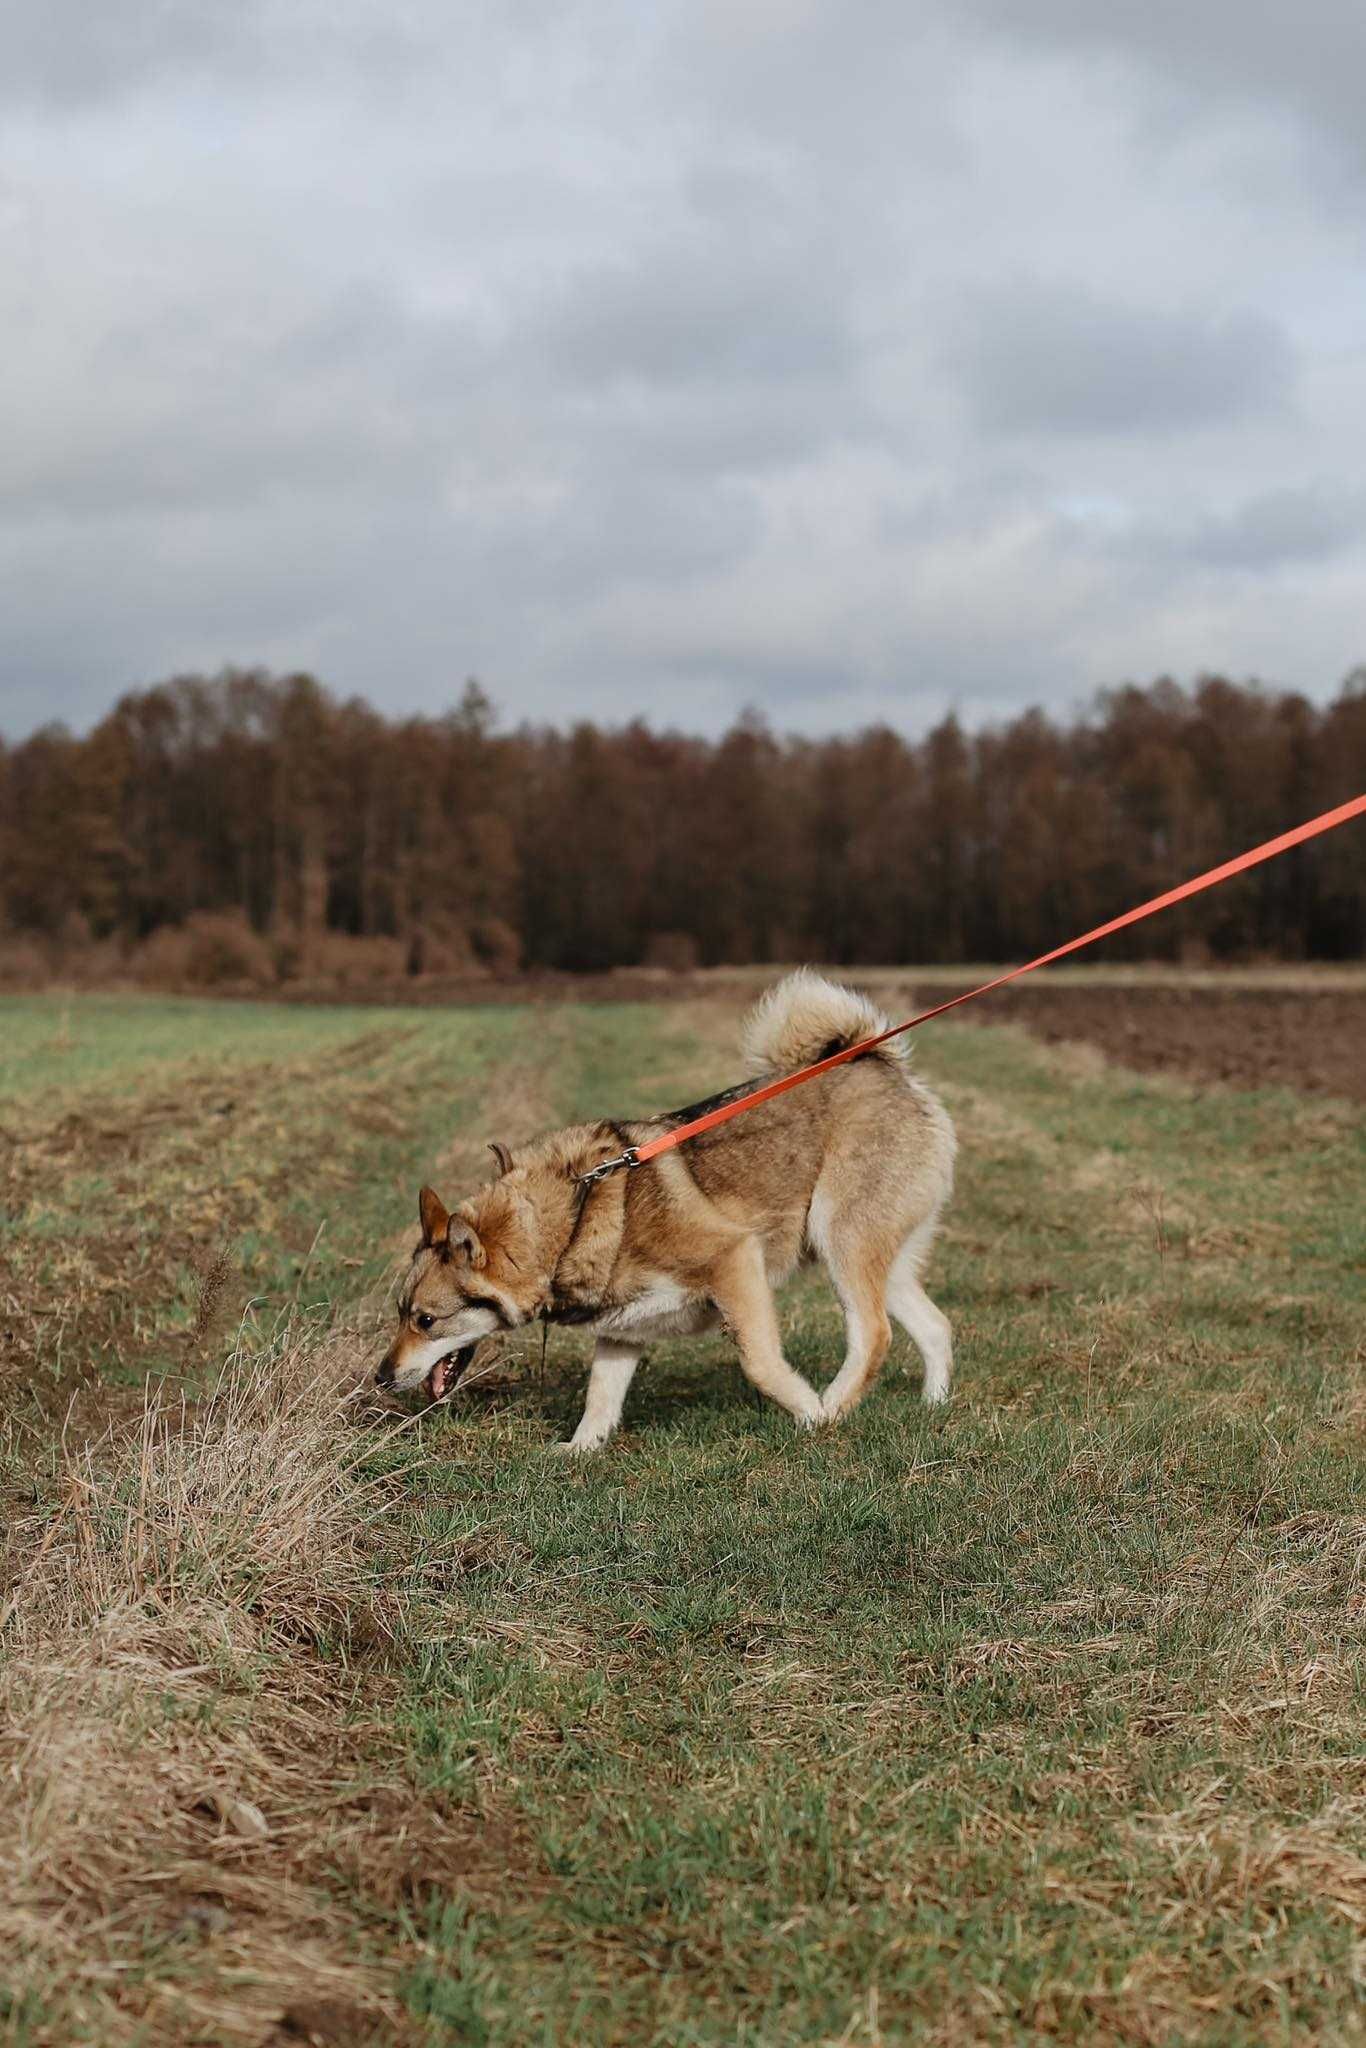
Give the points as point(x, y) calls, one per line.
point(1307, 1038)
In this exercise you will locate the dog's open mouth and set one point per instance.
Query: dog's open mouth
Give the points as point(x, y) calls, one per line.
point(442, 1378)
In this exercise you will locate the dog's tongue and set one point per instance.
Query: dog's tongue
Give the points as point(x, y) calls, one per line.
point(439, 1379)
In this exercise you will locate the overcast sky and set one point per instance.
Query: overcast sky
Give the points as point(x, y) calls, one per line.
point(852, 359)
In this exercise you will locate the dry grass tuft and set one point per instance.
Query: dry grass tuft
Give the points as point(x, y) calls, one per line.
point(1249, 1870)
point(212, 1277)
point(183, 1780)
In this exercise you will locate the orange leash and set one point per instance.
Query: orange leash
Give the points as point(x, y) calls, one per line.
point(636, 1155)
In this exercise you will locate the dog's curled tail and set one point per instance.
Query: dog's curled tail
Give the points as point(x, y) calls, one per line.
point(804, 1018)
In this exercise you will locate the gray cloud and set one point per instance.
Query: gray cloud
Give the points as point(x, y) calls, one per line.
point(853, 361)
point(697, 312)
point(1036, 358)
point(1283, 529)
point(1307, 60)
point(68, 57)
point(1273, 533)
point(223, 406)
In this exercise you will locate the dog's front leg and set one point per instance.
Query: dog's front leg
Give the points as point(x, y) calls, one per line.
point(614, 1363)
point(740, 1289)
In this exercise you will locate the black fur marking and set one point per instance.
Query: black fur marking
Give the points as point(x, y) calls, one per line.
point(573, 1312)
point(739, 1091)
point(735, 1094)
point(486, 1301)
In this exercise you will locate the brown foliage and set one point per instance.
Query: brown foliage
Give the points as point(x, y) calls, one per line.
point(368, 848)
point(342, 959)
point(673, 952)
point(23, 962)
point(212, 949)
point(496, 945)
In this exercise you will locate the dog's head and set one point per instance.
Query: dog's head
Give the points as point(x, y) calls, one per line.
point(475, 1273)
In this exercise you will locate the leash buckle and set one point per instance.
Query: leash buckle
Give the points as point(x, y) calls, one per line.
point(630, 1157)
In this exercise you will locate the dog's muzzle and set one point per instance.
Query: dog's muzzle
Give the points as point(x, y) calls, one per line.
point(442, 1378)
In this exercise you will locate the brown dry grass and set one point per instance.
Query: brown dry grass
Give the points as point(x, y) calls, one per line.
point(193, 1738)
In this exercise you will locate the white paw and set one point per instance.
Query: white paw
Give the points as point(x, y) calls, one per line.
point(936, 1396)
point(577, 1448)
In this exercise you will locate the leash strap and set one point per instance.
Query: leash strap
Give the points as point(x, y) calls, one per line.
point(665, 1142)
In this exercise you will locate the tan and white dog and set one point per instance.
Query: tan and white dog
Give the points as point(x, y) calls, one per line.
point(852, 1168)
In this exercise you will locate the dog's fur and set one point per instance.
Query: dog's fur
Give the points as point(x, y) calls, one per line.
point(853, 1167)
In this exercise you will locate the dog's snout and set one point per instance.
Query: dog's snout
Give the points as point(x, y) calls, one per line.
point(385, 1376)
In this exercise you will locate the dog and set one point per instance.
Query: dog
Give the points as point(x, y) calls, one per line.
point(854, 1168)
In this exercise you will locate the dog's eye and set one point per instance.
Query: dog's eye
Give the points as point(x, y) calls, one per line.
point(424, 1322)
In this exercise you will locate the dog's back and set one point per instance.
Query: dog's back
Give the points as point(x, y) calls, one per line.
point(868, 1134)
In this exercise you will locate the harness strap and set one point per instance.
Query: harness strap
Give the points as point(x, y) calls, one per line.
point(585, 1183)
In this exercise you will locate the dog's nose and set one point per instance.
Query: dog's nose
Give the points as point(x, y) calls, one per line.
point(385, 1376)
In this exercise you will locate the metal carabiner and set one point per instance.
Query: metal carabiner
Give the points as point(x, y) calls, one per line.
point(630, 1157)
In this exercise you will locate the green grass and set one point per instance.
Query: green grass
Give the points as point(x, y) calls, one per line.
point(973, 1726)
point(54, 1048)
point(1038, 1718)
point(151, 1143)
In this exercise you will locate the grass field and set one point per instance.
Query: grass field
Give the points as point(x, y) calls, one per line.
point(1038, 1718)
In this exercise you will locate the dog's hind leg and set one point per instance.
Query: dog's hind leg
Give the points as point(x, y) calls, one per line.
point(927, 1325)
point(859, 1272)
point(613, 1367)
point(741, 1291)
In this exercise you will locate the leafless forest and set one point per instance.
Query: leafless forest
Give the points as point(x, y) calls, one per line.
point(245, 828)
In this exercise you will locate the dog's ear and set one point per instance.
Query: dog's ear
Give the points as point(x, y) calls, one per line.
point(435, 1221)
point(502, 1155)
point(462, 1241)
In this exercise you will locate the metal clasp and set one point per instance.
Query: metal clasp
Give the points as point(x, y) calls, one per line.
point(630, 1157)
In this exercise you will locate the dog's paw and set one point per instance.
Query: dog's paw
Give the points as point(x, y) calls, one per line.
point(575, 1449)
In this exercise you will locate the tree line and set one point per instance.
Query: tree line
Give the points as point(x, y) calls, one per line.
point(317, 830)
